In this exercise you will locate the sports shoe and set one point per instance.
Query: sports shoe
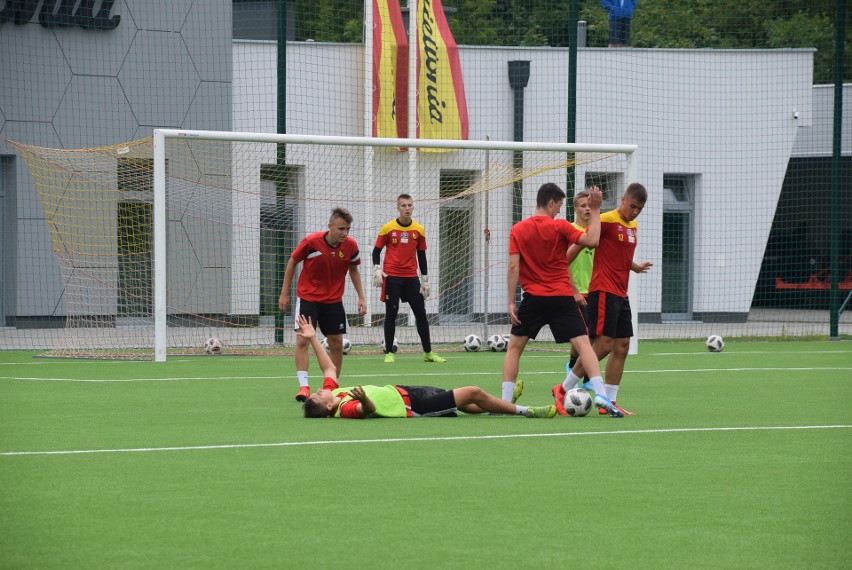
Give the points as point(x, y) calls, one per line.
point(389, 357)
point(304, 394)
point(519, 389)
point(602, 402)
point(541, 412)
point(559, 394)
point(432, 357)
point(587, 386)
point(603, 412)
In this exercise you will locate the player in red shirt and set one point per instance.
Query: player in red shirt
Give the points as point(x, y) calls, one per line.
point(610, 317)
point(404, 242)
point(537, 259)
point(326, 257)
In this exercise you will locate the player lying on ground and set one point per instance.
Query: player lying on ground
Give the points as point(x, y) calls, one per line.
point(399, 401)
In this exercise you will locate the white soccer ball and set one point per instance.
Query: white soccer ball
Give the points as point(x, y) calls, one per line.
point(213, 346)
point(577, 402)
point(393, 348)
point(715, 343)
point(506, 337)
point(472, 343)
point(347, 345)
point(496, 343)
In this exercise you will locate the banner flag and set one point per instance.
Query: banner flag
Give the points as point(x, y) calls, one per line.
point(441, 104)
point(390, 71)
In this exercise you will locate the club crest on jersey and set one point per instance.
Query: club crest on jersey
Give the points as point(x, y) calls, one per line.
point(340, 254)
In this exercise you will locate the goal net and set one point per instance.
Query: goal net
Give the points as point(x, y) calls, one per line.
point(234, 207)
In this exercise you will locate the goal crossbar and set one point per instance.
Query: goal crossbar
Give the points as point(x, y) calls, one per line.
point(391, 143)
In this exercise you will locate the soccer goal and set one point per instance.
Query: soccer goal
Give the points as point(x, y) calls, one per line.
point(164, 243)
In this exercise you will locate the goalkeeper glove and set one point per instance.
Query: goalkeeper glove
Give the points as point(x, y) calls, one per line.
point(424, 286)
point(378, 275)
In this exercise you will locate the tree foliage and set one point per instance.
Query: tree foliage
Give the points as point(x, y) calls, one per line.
point(689, 24)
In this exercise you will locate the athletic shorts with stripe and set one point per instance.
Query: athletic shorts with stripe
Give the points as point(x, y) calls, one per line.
point(609, 315)
point(330, 318)
point(561, 312)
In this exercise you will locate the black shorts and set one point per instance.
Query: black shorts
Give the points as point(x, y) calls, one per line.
point(619, 31)
point(431, 401)
point(609, 315)
point(330, 318)
point(400, 289)
point(561, 313)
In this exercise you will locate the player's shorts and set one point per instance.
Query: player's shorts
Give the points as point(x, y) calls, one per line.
point(400, 288)
point(431, 401)
point(562, 314)
point(330, 318)
point(619, 31)
point(609, 315)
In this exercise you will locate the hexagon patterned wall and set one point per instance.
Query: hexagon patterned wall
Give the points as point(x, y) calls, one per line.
point(166, 64)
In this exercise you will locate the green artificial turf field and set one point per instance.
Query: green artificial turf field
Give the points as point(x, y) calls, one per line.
point(737, 459)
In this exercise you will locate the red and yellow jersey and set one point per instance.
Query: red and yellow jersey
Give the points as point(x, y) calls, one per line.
point(402, 244)
point(614, 255)
point(542, 243)
point(323, 274)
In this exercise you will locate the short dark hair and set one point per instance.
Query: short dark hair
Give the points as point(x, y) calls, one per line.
point(637, 192)
point(404, 197)
point(314, 409)
point(548, 192)
point(341, 213)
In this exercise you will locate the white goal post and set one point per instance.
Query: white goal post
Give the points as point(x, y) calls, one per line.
point(371, 190)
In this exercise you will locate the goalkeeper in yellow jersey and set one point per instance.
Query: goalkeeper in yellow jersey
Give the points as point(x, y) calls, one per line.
point(405, 243)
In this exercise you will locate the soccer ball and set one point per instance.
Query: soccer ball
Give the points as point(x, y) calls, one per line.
point(577, 402)
point(715, 343)
point(394, 347)
point(213, 346)
point(347, 345)
point(472, 343)
point(506, 337)
point(496, 343)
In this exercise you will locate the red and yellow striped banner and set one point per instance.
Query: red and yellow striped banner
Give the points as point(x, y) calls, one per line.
point(390, 71)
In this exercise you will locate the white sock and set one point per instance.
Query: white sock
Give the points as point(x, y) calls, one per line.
point(508, 391)
point(571, 381)
point(522, 410)
point(302, 375)
point(611, 391)
point(598, 385)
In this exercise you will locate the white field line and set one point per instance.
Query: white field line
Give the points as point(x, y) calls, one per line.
point(414, 439)
point(423, 374)
point(559, 354)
